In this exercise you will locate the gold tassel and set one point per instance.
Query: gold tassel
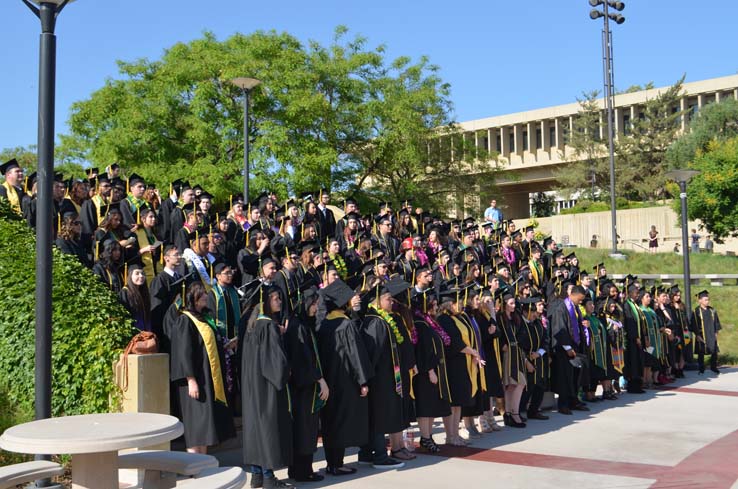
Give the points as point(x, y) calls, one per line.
point(125, 274)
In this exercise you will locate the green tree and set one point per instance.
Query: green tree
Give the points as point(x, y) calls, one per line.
point(333, 115)
point(712, 195)
point(713, 121)
point(26, 156)
point(589, 174)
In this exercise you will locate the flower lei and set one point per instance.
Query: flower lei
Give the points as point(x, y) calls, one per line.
point(389, 320)
point(340, 266)
point(436, 327)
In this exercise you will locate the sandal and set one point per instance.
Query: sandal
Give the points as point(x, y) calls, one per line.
point(429, 445)
point(402, 454)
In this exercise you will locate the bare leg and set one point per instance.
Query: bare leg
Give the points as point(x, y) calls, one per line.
point(425, 425)
point(396, 441)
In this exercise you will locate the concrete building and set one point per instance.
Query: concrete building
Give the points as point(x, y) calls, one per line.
point(532, 144)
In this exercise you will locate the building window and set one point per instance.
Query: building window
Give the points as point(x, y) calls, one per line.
point(552, 134)
point(539, 142)
point(511, 141)
point(626, 124)
point(498, 143)
point(525, 140)
point(485, 143)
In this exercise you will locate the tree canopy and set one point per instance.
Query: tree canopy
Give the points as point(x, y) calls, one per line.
point(337, 115)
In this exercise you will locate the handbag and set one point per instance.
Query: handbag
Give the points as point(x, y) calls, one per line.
point(144, 343)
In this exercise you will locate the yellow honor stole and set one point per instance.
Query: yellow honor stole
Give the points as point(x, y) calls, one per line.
point(208, 337)
point(13, 197)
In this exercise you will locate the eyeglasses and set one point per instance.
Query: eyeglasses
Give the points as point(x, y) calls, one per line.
point(227, 272)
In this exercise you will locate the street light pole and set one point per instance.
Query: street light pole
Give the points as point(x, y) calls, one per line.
point(47, 12)
point(682, 177)
point(246, 84)
point(609, 82)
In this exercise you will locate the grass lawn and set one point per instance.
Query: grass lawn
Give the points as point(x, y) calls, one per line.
point(724, 299)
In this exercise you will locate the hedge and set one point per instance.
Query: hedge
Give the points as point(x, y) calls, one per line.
point(90, 327)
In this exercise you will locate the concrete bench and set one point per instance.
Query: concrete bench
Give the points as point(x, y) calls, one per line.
point(218, 478)
point(156, 463)
point(13, 475)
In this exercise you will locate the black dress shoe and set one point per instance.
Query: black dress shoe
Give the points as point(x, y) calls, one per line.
point(314, 477)
point(537, 415)
point(580, 407)
point(506, 419)
point(715, 370)
point(516, 424)
point(340, 470)
point(566, 411)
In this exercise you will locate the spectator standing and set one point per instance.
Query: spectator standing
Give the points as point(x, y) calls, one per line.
point(709, 245)
point(653, 240)
point(695, 241)
point(493, 214)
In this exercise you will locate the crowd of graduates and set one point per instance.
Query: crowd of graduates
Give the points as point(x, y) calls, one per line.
point(354, 327)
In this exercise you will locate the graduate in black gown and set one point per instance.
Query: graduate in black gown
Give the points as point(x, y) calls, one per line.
point(430, 385)
point(196, 372)
point(383, 338)
point(534, 345)
point(705, 325)
point(347, 369)
point(164, 290)
point(267, 409)
point(463, 361)
point(68, 240)
point(635, 325)
point(309, 390)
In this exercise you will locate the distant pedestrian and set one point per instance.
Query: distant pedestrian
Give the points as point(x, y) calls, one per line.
point(653, 240)
point(676, 248)
point(709, 245)
point(493, 214)
point(695, 241)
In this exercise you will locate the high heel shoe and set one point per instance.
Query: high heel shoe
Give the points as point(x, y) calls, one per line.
point(516, 424)
point(429, 445)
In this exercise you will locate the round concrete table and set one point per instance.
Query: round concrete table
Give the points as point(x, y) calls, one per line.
point(93, 440)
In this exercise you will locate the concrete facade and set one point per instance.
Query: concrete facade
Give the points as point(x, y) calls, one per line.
point(532, 144)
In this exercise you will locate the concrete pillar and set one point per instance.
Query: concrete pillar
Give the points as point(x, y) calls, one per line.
point(683, 107)
point(505, 141)
point(559, 134)
point(700, 101)
point(518, 138)
point(717, 97)
point(532, 127)
point(545, 128)
point(618, 116)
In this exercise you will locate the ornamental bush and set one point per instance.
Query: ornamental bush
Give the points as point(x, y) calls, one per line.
point(90, 327)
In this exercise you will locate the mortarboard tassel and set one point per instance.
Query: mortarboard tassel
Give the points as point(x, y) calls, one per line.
point(125, 274)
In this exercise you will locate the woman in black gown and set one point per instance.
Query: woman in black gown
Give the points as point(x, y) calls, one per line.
point(196, 373)
point(430, 385)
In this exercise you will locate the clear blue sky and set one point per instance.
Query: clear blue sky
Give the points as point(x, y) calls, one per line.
point(499, 56)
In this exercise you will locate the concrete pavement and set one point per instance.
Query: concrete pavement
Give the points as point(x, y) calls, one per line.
point(685, 435)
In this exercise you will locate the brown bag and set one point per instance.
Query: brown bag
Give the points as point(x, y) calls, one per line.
point(143, 343)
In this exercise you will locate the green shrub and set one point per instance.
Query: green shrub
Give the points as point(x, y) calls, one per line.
point(89, 327)
point(601, 206)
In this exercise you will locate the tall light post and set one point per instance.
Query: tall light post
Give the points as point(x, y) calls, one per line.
point(246, 84)
point(682, 177)
point(609, 78)
point(47, 11)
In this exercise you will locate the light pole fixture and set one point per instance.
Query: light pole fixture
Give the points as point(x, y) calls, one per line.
point(47, 11)
point(246, 84)
point(682, 177)
point(609, 78)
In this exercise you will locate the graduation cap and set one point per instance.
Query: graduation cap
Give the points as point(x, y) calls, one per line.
point(547, 241)
point(205, 195)
point(235, 199)
point(571, 256)
point(198, 189)
point(396, 286)
point(529, 229)
point(469, 231)
point(384, 219)
point(134, 179)
point(536, 248)
point(516, 234)
point(353, 216)
point(384, 205)
point(110, 208)
point(311, 245)
point(103, 178)
point(118, 183)
point(337, 293)
point(674, 290)
point(267, 259)
point(702, 294)
point(557, 254)
point(29, 181)
point(90, 171)
point(597, 267)
point(9, 165)
point(529, 303)
point(59, 177)
point(307, 197)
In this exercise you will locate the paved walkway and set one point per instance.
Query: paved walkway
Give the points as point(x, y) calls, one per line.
point(685, 435)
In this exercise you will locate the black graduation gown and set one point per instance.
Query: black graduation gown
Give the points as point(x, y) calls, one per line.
point(130, 217)
point(705, 323)
point(176, 221)
point(113, 279)
point(327, 224)
point(346, 367)
point(385, 403)
point(512, 331)
point(534, 337)
point(286, 282)
point(306, 371)
point(388, 244)
point(267, 419)
point(206, 421)
point(431, 400)
point(163, 292)
point(75, 249)
point(563, 374)
point(407, 362)
point(634, 355)
point(458, 375)
point(248, 264)
point(164, 219)
point(493, 355)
